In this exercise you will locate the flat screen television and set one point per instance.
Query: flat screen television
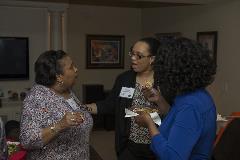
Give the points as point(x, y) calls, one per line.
point(14, 58)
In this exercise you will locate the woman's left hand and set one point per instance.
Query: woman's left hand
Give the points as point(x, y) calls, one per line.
point(76, 118)
point(71, 119)
point(143, 119)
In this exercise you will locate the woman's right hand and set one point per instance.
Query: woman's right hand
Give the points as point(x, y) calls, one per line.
point(68, 120)
point(151, 94)
point(154, 95)
point(71, 119)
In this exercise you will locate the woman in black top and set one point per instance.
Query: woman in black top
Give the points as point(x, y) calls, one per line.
point(131, 141)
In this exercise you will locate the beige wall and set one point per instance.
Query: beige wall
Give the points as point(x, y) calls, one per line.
point(84, 20)
point(29, 19)
point(24, 22)
point(222, 17)
point(81, 20)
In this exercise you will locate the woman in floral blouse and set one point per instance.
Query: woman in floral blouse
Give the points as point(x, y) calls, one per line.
point(54, 123)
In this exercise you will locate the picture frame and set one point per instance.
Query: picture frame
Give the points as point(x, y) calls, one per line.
point(209, 40)
point(164, 36)
point(105, 51)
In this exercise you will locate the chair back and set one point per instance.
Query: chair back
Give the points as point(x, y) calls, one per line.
point(221, 130)
point(227, 146)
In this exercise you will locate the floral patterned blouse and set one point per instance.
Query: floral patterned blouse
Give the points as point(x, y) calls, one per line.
point(140, 134)
point(42, 108)
point(3, 142)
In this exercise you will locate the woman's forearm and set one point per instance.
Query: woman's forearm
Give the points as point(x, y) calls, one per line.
point(163, 106)
point(52, 131)
point(152, 128)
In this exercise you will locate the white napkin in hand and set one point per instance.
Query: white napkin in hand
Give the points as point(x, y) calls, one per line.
point(155, 117)
point(130, 113)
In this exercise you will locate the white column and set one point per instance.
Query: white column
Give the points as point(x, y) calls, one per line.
point(55, 30)
point(64, 31)
point(57, 27)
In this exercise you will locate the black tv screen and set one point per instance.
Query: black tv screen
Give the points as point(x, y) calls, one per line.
point(14, 58)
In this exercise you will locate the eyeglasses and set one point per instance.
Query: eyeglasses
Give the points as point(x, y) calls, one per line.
point(137, 55)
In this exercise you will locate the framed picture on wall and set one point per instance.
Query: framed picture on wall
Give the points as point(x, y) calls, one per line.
point(105, 51)
point(209, 40)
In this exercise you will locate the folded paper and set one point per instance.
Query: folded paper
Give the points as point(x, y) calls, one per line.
point(155, 117)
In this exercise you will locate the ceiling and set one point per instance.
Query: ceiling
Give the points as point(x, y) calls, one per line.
point(132, 3)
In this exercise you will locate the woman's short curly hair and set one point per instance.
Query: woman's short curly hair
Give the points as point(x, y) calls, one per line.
point(183, 65)
point(48, 66)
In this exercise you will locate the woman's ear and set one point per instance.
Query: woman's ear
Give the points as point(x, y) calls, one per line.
point(152, 59)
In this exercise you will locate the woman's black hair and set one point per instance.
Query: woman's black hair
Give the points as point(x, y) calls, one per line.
point(182, 65)
point(153, 44)
point(48, 66)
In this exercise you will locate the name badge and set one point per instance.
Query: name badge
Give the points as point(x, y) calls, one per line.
point(127, 92)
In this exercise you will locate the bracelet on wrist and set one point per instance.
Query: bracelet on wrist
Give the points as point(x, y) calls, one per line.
point(53, 128)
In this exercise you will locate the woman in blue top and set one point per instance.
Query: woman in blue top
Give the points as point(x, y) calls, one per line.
point(183, 69)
